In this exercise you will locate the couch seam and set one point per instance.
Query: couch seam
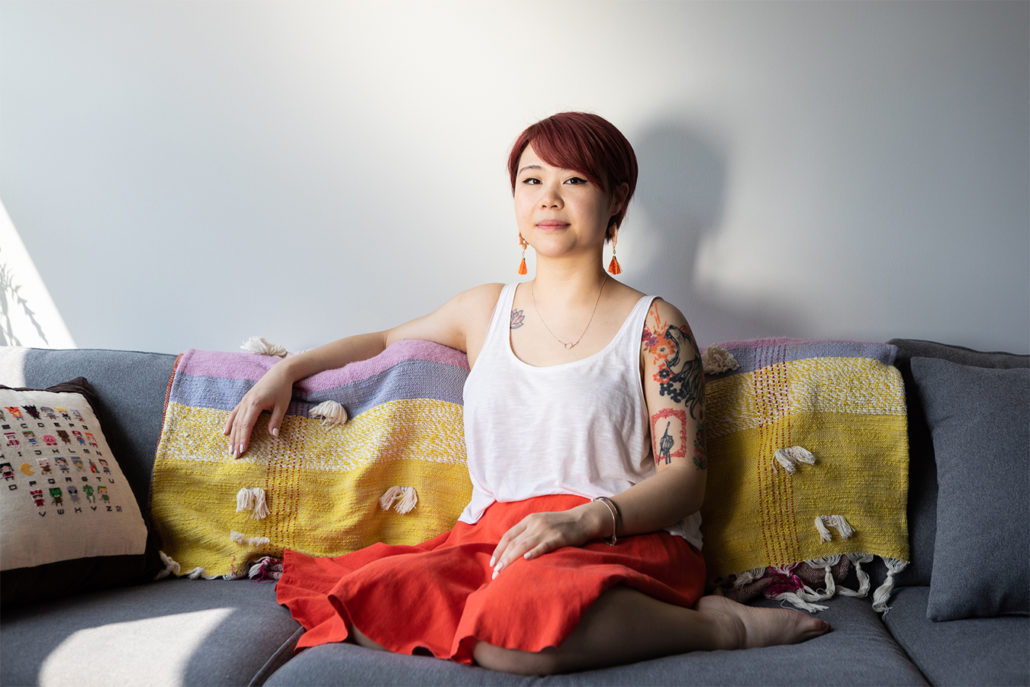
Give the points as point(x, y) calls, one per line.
point(274, 663)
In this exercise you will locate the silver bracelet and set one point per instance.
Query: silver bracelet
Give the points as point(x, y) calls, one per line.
point(616, 517)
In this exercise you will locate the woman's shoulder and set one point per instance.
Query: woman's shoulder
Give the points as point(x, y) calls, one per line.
point(660, 309)
point(479, 298)
point(474, 307)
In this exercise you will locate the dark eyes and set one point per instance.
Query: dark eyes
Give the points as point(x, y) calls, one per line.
point(574, 181)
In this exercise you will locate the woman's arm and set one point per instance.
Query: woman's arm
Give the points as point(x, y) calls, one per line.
point(457, 324)
point(674, 391)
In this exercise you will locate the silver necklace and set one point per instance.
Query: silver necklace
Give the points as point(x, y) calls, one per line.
point(568, 345)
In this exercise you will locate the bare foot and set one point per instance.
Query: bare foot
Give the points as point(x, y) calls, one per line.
point(751, 626)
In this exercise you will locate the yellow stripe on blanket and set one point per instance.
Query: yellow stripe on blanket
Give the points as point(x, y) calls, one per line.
point(323, 484)
point(765, 510)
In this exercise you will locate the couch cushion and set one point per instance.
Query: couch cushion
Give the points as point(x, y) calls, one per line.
point(922, 496)
point(70, 519)
point(976, 651)
point(980, 423)
point(859, 651)
point(173, 632)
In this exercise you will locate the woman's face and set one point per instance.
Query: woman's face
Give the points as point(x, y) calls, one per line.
point(558, 211)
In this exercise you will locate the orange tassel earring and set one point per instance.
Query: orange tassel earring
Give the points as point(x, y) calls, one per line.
point(613, 266)
point(522, 265)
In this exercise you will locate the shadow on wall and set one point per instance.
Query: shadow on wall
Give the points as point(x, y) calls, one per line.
point(14, 306)
point(682, 194)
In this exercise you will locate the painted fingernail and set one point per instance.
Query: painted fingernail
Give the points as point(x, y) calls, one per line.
point(275, 431)
point(493, 561)
point(494, 576)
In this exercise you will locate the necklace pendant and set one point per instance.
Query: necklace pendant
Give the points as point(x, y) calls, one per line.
point(569, 346)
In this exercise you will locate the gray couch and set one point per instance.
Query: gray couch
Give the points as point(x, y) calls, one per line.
point(196, 632)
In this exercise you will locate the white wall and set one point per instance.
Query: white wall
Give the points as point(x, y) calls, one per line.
point(188, 174)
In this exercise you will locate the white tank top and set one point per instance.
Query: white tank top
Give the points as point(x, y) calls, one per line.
point(577, 428)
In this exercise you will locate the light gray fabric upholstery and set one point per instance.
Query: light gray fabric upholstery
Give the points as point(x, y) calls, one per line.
point(173, 632)
point(859, 651)
point(973, 651)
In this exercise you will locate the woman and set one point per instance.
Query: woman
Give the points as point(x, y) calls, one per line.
point(583, 421)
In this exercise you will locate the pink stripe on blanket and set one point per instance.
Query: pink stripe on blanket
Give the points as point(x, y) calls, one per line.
point(251, 366)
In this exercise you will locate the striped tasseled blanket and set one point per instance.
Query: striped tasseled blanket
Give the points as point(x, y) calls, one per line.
point(321, 485)
point(808, 458)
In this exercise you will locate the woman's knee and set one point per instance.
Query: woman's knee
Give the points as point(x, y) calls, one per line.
point(544, 662)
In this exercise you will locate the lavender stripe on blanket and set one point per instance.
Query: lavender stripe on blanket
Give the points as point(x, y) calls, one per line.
point(755, 354)
point(218, 380)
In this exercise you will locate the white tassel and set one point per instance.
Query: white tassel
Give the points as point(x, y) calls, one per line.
point(254, 500)
point(883, 592)
point(796, 601)
point(240, 538)
point(402, 499)
point(838, 522)
point(748, 576)
point(259, 345)
point(857, 559)
point(267, 565)
point(826, 564)
point(788, 458)
point(331, 413)
point(716, 360)
point(199, 573)
point(803, 595)
point(172, 567)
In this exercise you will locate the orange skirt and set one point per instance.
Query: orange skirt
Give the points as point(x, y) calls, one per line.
point(438, 597)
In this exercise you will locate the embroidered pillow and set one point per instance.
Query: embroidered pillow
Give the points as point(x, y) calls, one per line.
point(808, 463)
point(70, 520)
point(394, 472)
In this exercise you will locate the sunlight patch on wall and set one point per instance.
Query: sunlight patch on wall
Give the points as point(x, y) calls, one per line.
point(28, 316)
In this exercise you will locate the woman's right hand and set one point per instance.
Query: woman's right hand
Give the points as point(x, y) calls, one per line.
point(272, 393)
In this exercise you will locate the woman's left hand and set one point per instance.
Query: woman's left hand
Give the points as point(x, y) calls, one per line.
point(539, 533)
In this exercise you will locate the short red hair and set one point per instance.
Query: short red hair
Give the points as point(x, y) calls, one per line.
point(587, 143)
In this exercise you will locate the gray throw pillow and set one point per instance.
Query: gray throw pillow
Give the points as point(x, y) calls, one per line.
point(980, 422)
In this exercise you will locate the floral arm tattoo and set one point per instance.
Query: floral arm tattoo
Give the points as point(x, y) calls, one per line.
point(680, 379)
point(518, 318)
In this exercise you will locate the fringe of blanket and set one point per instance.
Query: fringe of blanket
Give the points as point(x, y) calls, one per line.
point(802, 585)
point(263, 569)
